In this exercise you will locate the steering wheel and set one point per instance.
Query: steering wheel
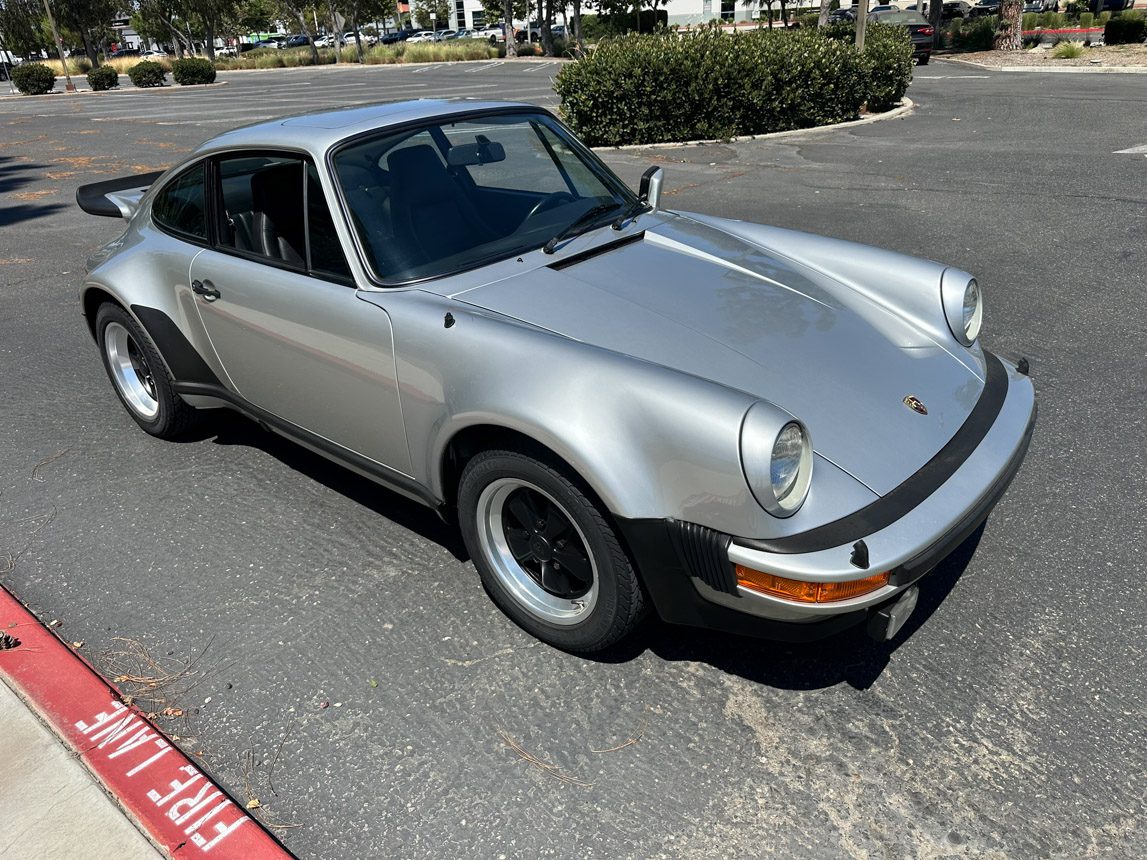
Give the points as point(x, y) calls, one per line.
point(550, 201)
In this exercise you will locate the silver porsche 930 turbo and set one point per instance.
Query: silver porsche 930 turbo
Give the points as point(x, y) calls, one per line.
point(625, 407)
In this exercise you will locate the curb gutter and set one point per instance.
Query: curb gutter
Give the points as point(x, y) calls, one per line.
point(1055, 70)
point(168, 798)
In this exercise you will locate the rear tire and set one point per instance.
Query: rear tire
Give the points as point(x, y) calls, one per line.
point(139, 374)
point(546, 553)
point(923, 61)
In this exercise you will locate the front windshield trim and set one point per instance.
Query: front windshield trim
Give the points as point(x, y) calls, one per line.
point(595, 164)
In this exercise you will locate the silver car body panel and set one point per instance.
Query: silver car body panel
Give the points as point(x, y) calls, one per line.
point(699, 300)
point(307, 351)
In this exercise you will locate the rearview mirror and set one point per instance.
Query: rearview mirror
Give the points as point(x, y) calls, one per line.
point(650, 188)
point(469, 154)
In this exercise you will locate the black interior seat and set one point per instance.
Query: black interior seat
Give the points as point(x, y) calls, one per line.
point(277, 228)
point(432, 214)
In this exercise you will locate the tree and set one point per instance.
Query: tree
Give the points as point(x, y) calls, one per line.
point(86, 19)
point(20, 22)
point(298, 9)
point(440, 9)
point(1009, 32)
point(825, 8)
point(162, 21)
point(935, 13)
point(578, 40)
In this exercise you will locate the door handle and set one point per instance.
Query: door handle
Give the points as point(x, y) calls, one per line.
point(205, 289)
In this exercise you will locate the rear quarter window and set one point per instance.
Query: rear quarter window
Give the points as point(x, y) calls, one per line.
point(180, 206)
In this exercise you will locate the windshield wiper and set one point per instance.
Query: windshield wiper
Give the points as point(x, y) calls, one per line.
point(638, 207)
point(579, 224)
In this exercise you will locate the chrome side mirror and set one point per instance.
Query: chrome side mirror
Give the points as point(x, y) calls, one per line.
point(650, 189)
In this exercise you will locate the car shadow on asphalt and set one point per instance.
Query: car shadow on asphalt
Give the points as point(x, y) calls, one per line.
point(229, 428)
point(849, 657)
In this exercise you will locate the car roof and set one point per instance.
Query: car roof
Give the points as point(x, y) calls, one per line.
point(317, 132)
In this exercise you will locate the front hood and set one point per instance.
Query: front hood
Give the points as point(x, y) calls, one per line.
point(696, 299)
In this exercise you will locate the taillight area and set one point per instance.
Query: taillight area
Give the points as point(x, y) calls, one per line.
point(927, 31)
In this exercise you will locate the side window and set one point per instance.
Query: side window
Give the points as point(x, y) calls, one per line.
point(273, 207)
point(263, 207)
point(180, 205)
point(326, 250)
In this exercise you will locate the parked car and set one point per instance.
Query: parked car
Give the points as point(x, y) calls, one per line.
point(154, 55)
point(920, 31)
point(951, 9)
point(395, 37)
point(297, 41)
point(838, 15)
point(422, 36)
point(984, 8)
point(366, 38)
point(268, 43)
point(494, 33)
point(621, 405)
point(464, 34)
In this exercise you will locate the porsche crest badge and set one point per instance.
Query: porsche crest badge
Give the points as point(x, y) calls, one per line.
point(915, 405)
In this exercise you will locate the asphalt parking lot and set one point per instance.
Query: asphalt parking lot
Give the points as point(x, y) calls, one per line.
point(346, 668)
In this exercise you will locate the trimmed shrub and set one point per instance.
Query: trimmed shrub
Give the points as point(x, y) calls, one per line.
point(147, 74)
point(1087, 20)
point(888, 55)
point(1125, 29)
point(103, 78)
point(978, 35)
point(709, 84)
point(193, 70)
point(34, 79)
point(1067, 50)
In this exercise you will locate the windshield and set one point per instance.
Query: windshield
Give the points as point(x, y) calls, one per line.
point(439, 199)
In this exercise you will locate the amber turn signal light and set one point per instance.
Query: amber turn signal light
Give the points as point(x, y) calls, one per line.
point(800, 591)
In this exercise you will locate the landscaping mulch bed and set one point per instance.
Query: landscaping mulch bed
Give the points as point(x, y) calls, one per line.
point(1113, 55)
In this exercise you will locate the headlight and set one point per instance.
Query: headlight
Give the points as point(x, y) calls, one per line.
point(963, 305)
point(777, 457)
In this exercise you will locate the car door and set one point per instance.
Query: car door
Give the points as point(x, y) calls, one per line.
point(276, 298)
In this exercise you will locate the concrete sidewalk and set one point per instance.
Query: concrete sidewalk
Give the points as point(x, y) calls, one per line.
point(50, 805)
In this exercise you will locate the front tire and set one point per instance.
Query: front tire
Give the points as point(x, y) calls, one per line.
point(139, 375)
point(545, 552)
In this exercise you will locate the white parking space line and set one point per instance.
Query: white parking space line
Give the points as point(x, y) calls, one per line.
point(484, 66)
point(537, 67)
point(1134, 150)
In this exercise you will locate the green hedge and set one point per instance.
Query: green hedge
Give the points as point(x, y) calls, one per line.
point(193, 70)
point(1127, 29)
point(709, 84)
point(103, 78)
point(34, 79)
point(147, 74)
point(975, 35)
point(888, 55)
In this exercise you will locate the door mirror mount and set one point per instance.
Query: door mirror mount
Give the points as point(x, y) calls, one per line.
point(650, 188)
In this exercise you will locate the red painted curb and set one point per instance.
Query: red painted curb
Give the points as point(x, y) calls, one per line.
point(183, 811)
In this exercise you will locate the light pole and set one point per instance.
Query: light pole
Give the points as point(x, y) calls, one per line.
point(70, 87)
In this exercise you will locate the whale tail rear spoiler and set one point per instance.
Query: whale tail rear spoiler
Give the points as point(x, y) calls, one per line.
point(116, 198)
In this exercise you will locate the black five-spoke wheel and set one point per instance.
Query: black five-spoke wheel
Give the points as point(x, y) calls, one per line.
point(546, 544)
point(546, 553)
point(139, 374)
